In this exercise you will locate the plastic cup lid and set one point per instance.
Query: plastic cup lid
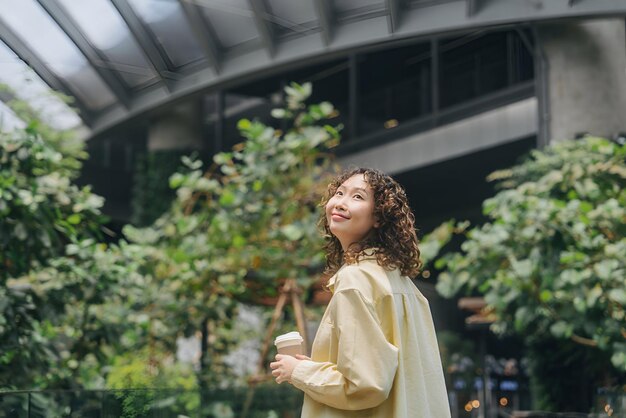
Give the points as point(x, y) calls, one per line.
point(294, 335)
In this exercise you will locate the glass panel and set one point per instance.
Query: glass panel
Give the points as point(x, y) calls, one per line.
point(473, 66)
point(42, 35)
point(232, 20)
point(107, 31)
point(27, 85)
point(347, 7)
point(8, 120)
point(292, 17)
point(523, 66)
point(394, 87)
point(170, 28)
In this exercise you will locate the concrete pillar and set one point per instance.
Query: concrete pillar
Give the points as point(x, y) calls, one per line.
point(178, 129)
point(586, 77)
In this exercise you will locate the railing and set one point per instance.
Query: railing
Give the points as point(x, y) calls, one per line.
point(269, 401)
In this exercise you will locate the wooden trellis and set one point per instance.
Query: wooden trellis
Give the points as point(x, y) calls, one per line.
point(289, 291)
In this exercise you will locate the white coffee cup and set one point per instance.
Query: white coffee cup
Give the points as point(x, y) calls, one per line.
point(289, 343)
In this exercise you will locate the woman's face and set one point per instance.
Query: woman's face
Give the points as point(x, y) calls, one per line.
point(350, 212)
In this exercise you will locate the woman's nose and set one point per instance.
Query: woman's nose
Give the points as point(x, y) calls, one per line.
point(339, 204)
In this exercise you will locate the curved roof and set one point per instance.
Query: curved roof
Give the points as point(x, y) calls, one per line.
point(122, 58)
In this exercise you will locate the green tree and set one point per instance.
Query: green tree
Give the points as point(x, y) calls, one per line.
point(235, 230)
point(70, 305)
point(41, 210)
point(58, 286)
point(551, 263)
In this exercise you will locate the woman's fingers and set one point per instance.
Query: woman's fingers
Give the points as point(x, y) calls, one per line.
point(276, 371)
point(283, 367)
point(278, 376)
point(302, 357)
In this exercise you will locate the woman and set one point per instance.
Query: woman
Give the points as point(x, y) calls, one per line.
point(375, 353)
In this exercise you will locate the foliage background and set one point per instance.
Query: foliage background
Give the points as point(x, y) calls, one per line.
point(551, 264)
point(78, 313)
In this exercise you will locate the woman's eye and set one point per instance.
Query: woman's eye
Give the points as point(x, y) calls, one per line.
point(358, 196)
point(338, 193)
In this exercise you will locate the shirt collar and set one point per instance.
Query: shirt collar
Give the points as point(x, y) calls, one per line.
point(368, 254)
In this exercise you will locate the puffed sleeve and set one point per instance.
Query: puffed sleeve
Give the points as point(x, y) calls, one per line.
point(366, 361)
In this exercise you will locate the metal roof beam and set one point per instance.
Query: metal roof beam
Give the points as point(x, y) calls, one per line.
point(202, 32)
point(325, 19)
point(95, 59)
point(368, 34)
point(6, 97)
point(263, 25)
point(393, 14)
point(155, 57)
point(38, 66)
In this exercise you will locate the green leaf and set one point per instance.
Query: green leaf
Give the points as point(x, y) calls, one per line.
point(244, 124)
point(277, 113)
point(619, 360)
point(604, 268)
point(74, 219)
point(239, 241)
point(177, 180)
point(489, 205)
point(618, 295)
point(292, 232)
point(523, 268)
point(523, 317)
point(326, 108)
point(561, 329)
point(20, 231)
point(586, 207)
point(545, 296)
point(223, 158)
point(227, 198)
point(593, 295)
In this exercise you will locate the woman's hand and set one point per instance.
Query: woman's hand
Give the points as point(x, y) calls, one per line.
point(284, 365)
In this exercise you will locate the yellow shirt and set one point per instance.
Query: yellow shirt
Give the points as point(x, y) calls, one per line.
point(375, 353)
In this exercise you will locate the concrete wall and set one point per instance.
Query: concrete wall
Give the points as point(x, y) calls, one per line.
point(586, 77)
point(489, 129)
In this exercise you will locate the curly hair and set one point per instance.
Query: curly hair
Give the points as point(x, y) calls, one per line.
point(394, 242)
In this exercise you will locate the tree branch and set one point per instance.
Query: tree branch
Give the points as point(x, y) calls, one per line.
point(584, 341)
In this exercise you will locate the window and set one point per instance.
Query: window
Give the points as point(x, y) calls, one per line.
point(394, 87)
point(475, 65)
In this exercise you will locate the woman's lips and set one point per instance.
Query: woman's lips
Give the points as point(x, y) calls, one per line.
point(338, 217)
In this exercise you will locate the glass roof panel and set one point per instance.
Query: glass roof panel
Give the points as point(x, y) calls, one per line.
point(27, 85)
point(349, 7)
point(290, 16)
point(169, 26)
point(8, 120)
point(232, 21)
point(104, 27)
point(42, 35)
